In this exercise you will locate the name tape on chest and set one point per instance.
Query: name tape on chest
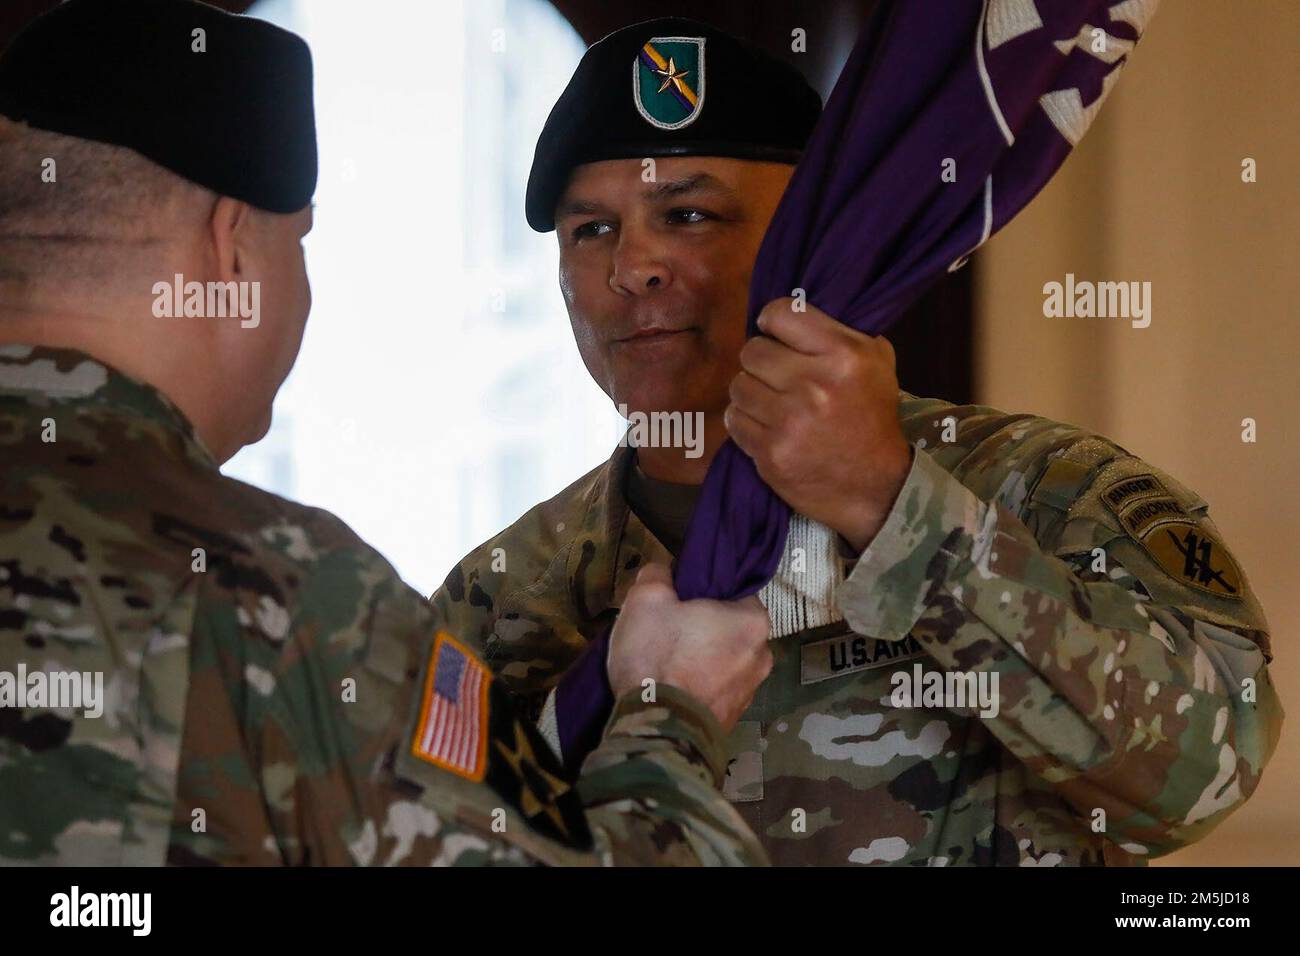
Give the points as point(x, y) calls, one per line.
point(850, 653)
point(1178, 542)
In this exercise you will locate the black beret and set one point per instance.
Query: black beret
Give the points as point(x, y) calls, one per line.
point(237, 118)
point(670, 87)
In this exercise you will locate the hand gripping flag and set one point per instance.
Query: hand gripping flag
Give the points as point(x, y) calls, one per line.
point(947, 119)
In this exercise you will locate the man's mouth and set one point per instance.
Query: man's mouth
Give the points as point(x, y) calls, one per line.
point(650, 335)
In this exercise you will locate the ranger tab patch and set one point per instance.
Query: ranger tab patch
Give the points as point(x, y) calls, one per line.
point(452, 732)
point(1173, 537)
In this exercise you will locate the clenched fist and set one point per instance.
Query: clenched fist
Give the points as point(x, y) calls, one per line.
point(816, 406)
point(715, 650)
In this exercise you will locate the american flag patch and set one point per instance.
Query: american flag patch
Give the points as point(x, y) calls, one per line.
point(453, 726)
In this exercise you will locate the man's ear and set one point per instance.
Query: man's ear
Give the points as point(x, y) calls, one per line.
point(229, 228)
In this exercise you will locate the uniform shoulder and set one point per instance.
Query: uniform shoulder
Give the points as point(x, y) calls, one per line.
point(522, 552)
point(999, 455)
point(973, 424)
point(119, 477)
point(1077, 491)
point(1055, 462)
point(292, 559)
point(281, 528)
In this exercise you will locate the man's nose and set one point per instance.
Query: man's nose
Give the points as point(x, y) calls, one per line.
point(639, 268)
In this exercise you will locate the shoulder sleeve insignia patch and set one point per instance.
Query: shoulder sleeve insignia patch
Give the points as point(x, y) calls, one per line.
point(1195, 557)
point(522, 768)
point(1182, 547)
point(452, 731)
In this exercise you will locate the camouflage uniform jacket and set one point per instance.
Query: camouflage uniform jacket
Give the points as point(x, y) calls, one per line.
point(1136, 709)
point(263, 671)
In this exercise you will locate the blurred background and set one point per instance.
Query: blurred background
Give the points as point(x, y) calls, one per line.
point(1155, 193)
point(439, 394)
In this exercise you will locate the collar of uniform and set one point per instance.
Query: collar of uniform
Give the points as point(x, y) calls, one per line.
point(57, 375)
point(603, 567)
point(600, 570)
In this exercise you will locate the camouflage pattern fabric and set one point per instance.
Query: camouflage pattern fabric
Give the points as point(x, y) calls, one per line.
point(1135, 706)
point(261, 676)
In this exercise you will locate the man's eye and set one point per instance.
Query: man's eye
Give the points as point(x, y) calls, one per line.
point(688, 216)
point(589, 230)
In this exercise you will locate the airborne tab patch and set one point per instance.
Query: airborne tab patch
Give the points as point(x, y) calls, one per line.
point(1142, 503)
point(1145, 515)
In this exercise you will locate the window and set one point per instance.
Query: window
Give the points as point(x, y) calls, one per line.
point(439, 393)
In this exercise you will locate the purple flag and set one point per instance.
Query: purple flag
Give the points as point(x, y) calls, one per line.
point(947, 119)
point(993, 94)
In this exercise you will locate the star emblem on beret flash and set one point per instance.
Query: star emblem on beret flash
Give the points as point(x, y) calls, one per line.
point(671, 75)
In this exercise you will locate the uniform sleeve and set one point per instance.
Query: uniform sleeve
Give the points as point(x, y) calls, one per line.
point(1130, 656)
point(652, 787)
point(648, 795)
point(527, 654)
point(385, 744)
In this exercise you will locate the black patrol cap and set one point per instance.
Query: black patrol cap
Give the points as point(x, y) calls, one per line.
point(222, 100)
point(670, 87)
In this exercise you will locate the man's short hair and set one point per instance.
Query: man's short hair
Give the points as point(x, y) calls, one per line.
point(74, 208)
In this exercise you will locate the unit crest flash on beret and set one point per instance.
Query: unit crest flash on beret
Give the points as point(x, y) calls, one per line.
point(668, 81)
point(738, 102)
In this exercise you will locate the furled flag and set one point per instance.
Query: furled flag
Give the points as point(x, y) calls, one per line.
point(947, 119)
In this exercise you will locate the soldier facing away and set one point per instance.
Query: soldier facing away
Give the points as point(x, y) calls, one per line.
point(1135, 709)
point(195, 671)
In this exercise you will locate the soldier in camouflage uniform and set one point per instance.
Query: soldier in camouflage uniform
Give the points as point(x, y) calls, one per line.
point(263, 667)
point(195, 671)
point(1127, 685)
point(1135, 705)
